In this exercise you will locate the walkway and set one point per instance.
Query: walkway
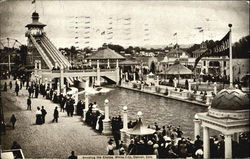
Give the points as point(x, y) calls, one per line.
point(49, 139)
point(152, 91)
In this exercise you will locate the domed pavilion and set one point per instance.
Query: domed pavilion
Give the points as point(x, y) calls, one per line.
point(228, 114)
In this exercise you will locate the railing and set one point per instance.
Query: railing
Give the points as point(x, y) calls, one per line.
point(58, 52)
point(46, 51)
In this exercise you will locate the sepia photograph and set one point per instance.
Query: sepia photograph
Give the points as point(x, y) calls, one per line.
point(136, 79)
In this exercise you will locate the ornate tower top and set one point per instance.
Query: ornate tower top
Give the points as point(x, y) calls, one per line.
point(35, 28)
point(35, 22)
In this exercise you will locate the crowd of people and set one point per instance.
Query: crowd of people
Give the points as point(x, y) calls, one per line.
point(170, 143)
point(94, 117)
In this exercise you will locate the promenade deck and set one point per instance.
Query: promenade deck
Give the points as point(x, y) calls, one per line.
point(49, 140)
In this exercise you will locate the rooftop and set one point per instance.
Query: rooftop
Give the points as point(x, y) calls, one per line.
point(106, 53)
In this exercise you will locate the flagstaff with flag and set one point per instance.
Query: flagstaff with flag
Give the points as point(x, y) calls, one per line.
point(175, 35)
point(230, 57)
point(34, 2)
point(222, 48)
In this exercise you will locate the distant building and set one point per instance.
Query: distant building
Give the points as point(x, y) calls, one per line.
point(105, 56)
point(213, 65)
point(175, 52)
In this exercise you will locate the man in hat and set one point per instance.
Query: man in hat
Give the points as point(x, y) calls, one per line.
point(44, 112)
point(56, 115)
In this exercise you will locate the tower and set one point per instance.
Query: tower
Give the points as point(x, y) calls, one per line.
point(36, 30)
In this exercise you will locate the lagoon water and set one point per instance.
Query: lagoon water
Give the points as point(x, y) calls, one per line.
point(164, 111)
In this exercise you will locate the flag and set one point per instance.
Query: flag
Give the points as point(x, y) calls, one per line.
point(33, 1)
point(103, 33)
point(198, 28)
point(175, 34)
point(220, 49)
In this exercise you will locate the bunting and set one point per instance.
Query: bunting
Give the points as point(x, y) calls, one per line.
point(220, 49)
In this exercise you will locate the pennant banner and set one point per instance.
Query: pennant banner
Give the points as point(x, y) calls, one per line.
point(220, 49)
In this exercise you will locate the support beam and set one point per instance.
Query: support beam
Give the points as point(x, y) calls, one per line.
point(125, 125)
point(35, 67)
point(197, 126)
point(228, 146)
point(39, 65)
point(206, 143)
point(215, 88)
point(106, 121)
point(98, 74)
point(86, 99)
point(61, 79)
point(108, 65)
point(157, 81)
point(9, 63)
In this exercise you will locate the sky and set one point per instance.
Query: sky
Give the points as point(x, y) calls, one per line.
point(135, 23)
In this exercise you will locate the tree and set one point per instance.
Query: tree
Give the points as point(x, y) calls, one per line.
point(241, 49)
point(23, 51)
point(73, 51)
point(193, 48)
point(152, 67)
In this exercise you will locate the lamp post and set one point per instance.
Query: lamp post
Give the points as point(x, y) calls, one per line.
point(106, 121)
point(197, 126)
point(125, 125)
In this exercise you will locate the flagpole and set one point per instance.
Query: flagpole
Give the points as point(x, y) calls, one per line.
point(230, 58)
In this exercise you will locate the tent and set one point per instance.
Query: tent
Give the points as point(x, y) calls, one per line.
point(140, 129)
point(178, 69)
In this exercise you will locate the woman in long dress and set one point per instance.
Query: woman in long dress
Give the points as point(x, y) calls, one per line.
point(38, 116)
